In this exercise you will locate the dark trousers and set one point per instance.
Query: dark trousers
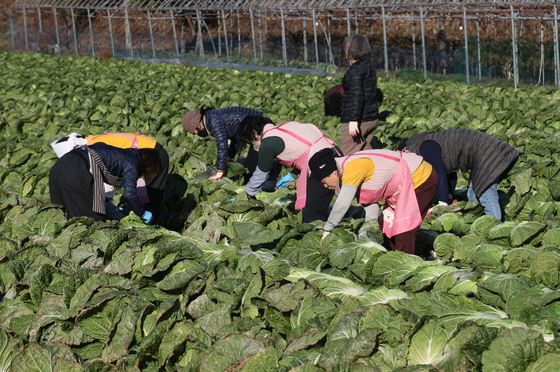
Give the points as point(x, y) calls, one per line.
point(317, 201)
point(251, 163)
point(71, 185)
point(156, 187)
point(431, 152)
point(406, 242)
point(160, 181)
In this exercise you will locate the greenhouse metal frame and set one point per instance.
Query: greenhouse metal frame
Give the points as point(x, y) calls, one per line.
point(249, 23)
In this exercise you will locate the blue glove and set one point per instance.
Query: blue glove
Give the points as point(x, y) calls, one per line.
point(283, 183)
point(147, 217)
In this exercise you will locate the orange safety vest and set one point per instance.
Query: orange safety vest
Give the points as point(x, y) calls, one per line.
point(123, 140)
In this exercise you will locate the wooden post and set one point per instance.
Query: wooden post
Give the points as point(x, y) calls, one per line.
point(91, 39)
point(111, 33)
point(422, 32)
point(385, 51)
point(74, 33)
point(151, 35)
point(466, 38)
point(174, 33)
point(56, 32)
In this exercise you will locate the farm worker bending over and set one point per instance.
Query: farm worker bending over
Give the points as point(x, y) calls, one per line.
point(486, 158)
point(223, 124)
point(360, 105)
point(81, 191)
point(290, 144)
point(405, 181)
point(156, 188)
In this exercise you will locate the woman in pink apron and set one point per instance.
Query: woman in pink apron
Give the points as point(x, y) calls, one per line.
point(290, 144)
point(404, 181)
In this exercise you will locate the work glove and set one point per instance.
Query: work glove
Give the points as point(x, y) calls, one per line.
point(147, 217)
point(285, 182)
point(113, 212)
point(218, 176)
point(439, 204)
point(324, 236)
point(353, 129)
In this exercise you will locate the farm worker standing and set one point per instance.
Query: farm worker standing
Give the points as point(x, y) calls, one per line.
point(156, 188)
point(81, 191)
point(222, 124)
point(290, 144)
point(487, 158)
point(405, 181)
point(359, 116)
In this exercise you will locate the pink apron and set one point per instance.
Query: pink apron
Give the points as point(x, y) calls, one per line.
point(402, 213)
point(300, 161)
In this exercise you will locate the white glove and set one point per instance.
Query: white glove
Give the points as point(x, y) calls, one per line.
point(325, 234)
point(353, 129)
point(439, 204)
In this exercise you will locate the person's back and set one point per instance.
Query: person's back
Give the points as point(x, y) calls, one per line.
point(359, 116)
point(118, 161)
point(360, 102)
point(223, 124)
point(485, 157)
point(123, 140)
point(465, 149)
point(228, 119)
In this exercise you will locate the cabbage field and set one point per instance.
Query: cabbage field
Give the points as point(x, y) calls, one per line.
point(243, 285)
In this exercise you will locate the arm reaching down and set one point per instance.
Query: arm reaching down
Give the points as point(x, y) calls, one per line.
point(256, 181)
point(343, 202)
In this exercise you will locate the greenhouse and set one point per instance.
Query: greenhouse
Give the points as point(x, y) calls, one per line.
point(515, 40)
point(283, 186)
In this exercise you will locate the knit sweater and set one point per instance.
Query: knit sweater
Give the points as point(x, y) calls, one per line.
point(486, 157)
point(223, 124)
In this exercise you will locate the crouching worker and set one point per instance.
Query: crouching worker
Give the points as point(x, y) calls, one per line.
point(487, 158)
point(150, 193)
point(290, 144)
point(223, 124)
point(81, 192)
point(405, 181)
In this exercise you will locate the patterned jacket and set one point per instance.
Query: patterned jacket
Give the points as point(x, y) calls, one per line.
point(223, 124)
point(125, 164)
